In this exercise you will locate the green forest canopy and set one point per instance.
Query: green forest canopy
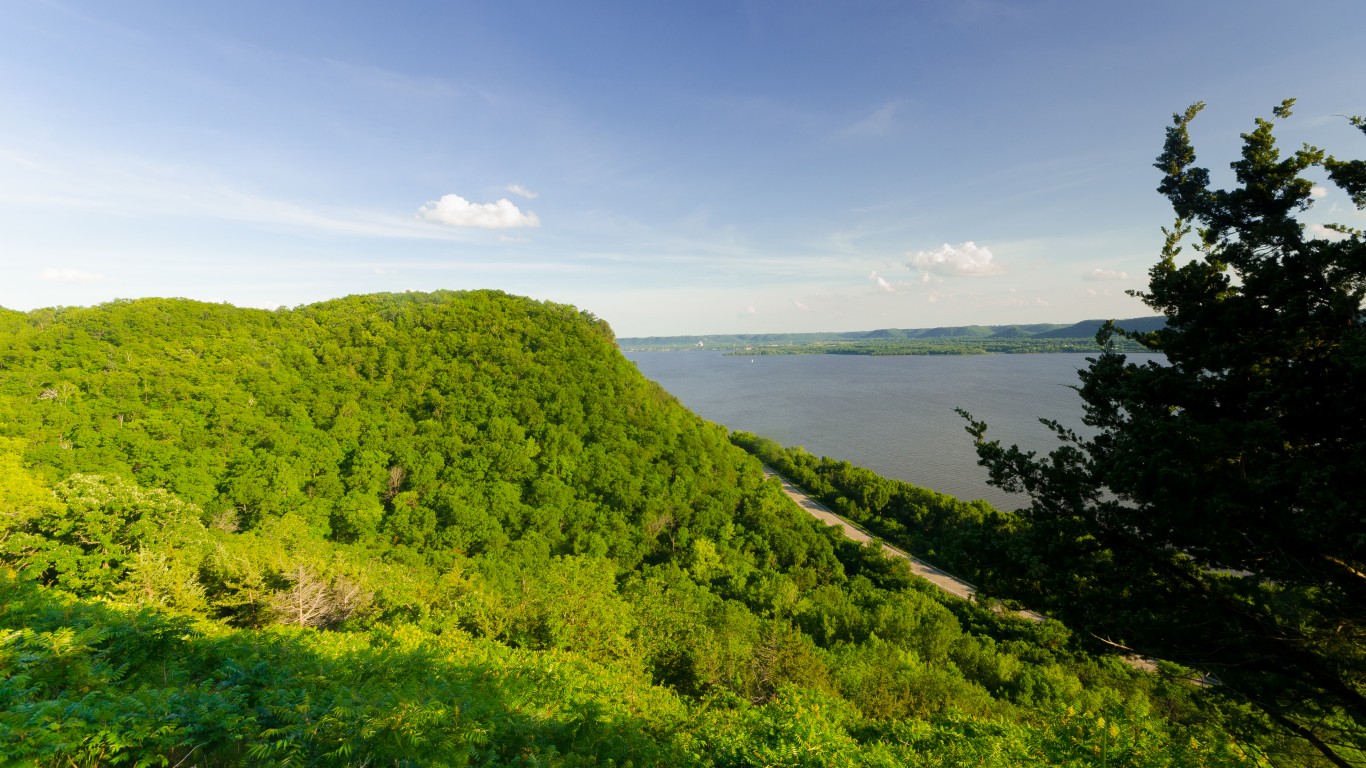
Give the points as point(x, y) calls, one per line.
point(462, 529)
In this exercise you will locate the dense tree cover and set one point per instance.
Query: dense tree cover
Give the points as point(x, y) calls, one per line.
point(1217, 516)
point(963, 538)
point(987, 547)
point(461, 529)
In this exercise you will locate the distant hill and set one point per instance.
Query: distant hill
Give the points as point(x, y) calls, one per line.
point(885, 333)
point(952, 332)
point(1089, 328)
point(1085, 329)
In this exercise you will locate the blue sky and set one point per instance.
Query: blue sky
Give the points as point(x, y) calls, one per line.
point(675, 168)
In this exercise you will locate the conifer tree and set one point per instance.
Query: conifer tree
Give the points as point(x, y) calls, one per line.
point(1217, 518)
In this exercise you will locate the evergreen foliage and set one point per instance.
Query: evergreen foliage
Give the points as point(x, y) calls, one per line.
point(1216, 517)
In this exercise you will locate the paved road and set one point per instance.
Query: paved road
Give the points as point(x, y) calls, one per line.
point(942, 579)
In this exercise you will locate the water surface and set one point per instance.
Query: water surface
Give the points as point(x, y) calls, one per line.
point(893, 415)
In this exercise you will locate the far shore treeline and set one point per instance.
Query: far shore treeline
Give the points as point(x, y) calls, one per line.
point(948, 340)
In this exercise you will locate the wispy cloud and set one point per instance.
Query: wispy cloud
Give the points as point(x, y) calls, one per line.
point(963, 260)
point(395, 84)
point(521, 191)
point(1105, 274)
point(879, 123)
point(131, 186)
point(373, 81)
point(456, 211)
point(76, 276)
point(883, 285)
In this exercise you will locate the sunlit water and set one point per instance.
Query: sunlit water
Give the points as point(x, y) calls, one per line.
point(893, 415)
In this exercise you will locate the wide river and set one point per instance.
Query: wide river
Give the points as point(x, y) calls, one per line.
point(893, 414)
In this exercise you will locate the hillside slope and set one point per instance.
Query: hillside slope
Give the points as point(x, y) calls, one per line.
point(461, 529)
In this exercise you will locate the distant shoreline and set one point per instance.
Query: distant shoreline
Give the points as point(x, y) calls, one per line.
point(888, 347)
point(949, 340)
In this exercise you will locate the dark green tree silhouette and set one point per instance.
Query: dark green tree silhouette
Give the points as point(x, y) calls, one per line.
point(1218, 516)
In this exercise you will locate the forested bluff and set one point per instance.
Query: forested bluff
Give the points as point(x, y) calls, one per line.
point(460, 528)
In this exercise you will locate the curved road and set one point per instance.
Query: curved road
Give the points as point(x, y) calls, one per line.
point(942, 579)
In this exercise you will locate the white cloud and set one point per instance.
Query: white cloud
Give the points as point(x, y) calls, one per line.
point(801, 306)
point(877, 124)
point(900, 286)
point(1316, 191)
point(1105, 274)
point(456, 211)
point(131, 186)
point(63, 275)
point(749, 311)
point(964, 259)
point(521, 191)
point(1324, 233)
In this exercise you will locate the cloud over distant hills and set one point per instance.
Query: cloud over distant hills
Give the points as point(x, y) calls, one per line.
point(1105, 274)
point(76, 276)
point(963, 260)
